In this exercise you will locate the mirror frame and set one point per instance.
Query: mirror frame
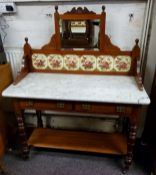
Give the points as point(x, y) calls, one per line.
point(80, 14)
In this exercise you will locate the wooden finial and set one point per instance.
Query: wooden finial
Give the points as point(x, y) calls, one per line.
point(137, 41)
point(26, 40)
point(56, 8)
point(103, 8)
point(27, 47)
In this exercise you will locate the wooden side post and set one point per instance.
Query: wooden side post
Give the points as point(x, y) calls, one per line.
point(136, 56)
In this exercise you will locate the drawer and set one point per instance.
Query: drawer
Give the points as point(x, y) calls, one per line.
point(45, 105)
point(96, 108)
point(102, 108)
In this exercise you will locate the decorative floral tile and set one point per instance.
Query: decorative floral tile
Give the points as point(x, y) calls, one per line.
point(105, 63)
point(88, 62)
point(55, 62)
point(71, 62)
point(122, 63)
point(39, 61)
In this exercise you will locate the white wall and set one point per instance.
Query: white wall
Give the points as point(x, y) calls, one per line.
point(151, 57)
point(31, 21)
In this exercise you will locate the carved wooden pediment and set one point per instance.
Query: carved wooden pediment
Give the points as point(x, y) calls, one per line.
point(80, 10)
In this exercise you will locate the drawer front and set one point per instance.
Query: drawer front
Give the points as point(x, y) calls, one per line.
point(123, 109)
point(94, 108)
point(45, 105)
point(75, 107)
point(102, 108)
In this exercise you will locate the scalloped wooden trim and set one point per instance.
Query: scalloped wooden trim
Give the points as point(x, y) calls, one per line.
point(52, 44)
point(109, 47)
point(24, 70)
point(79, 10)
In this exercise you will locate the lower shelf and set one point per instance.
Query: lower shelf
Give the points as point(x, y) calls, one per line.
point(114, 143)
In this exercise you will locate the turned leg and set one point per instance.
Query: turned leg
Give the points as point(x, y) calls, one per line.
point(130, 146)
point(133, 121)
point(21, 130)
point(39, 119)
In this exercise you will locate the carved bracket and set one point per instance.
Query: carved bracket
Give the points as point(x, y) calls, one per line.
point(25, 63)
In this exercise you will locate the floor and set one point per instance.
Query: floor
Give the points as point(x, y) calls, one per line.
point(50, 162)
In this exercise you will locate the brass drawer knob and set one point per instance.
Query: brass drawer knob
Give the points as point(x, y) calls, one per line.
point(30, 103)
point(120, 109)
point(86, 107)
point(60, 105)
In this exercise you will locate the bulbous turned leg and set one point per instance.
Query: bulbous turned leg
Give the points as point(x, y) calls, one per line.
point(133, 125)
point(21, 131)
point(130, 146)
point(22, 135)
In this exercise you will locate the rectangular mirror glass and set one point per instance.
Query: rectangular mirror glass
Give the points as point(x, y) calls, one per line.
point(79, 34)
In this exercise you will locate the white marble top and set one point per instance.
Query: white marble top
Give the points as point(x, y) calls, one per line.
point(73, 87)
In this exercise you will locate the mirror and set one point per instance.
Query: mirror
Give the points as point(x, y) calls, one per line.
point(80, 34)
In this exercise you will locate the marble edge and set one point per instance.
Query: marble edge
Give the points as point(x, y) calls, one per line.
point(145, 100)
point(141, 101)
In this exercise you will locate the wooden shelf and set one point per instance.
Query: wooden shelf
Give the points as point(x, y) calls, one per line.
point(114, 143)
